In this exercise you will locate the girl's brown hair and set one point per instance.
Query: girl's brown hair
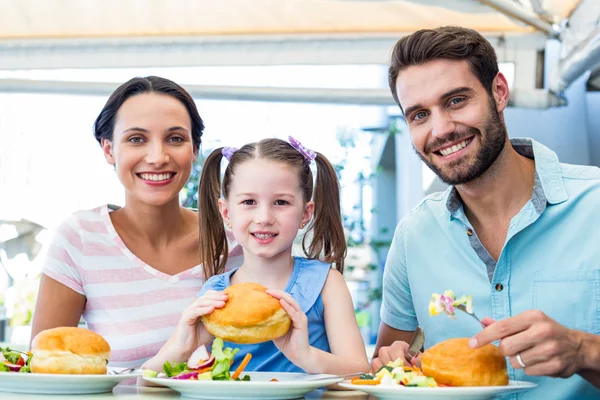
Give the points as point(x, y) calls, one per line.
point(328, 242)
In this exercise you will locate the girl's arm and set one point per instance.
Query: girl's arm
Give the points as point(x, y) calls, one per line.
point(189, 332)
point(348, 354)
point(56, 305)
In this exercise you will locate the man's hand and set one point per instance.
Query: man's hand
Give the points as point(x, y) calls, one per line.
point(397, 350)
point(536, 343)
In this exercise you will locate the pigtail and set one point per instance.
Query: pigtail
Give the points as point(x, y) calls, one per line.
point(213, 239)
point(328, 240)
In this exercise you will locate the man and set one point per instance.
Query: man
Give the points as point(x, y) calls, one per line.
point(516, 229)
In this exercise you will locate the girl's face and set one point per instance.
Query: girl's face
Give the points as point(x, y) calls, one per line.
point(152, 148)
point(265, 208)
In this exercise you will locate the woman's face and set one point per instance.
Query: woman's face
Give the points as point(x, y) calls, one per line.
point(152, 148)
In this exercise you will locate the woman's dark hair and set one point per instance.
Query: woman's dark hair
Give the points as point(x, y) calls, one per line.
point(105, 123)
point(447, 42)
point(328, 241)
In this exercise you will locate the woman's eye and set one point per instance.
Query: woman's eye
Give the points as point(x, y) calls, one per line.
point(280, 202)
point(135, 139)
point(176, 139)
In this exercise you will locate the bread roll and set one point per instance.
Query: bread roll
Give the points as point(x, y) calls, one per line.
point(455, 363)
point(68, 350)
point(249, 316)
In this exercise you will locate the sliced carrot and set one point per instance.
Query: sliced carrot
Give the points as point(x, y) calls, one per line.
point(358, 381)
point(241, 367)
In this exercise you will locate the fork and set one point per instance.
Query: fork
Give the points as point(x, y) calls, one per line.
point(463, 308)
point(122, 371)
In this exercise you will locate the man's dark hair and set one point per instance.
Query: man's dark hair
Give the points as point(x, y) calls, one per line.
point(448, 42)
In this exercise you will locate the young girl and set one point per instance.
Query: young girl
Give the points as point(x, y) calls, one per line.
point(131, 271)
point(267, 196)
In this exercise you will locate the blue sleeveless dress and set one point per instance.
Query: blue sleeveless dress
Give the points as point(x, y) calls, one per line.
point(305, 286)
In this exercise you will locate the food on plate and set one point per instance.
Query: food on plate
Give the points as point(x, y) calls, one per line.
point(204, 366)
point(396, 373)
point(249, 316)
point(14, 360)
point(447, 302)
point(454, 363)
point(68, 350)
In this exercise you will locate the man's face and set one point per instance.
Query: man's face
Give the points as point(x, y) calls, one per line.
point(454, 124)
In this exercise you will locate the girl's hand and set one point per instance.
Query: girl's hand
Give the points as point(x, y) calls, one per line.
point(190, 332)
point(294, 344)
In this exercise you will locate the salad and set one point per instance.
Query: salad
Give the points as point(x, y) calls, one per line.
point(14, 360)
point(396, 373)
point(447, 302)
point(204, 366)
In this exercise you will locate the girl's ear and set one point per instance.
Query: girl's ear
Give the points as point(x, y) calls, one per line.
point(309, 210)
point(107, 148)
point(224, 210)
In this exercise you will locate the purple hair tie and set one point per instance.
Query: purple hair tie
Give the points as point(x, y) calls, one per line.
point(228, 152)
point(307, 153)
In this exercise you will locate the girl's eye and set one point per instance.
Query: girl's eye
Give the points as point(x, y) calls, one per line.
point(135, 139)
point(280, 202)
point(249, 202)
point(419, 115)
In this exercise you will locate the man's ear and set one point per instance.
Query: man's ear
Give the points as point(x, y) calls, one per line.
point(500, 91)
point(107, 148)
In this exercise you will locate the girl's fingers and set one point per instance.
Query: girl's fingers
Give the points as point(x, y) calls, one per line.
point(278, 294)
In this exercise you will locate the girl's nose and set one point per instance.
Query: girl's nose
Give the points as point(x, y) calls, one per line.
point(264, 215)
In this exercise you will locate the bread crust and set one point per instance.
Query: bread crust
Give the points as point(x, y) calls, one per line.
point(249, 316)
point(69, 350)
point(453, 362)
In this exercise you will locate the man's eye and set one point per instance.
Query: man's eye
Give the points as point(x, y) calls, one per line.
point(456, 100)
point(419, 115)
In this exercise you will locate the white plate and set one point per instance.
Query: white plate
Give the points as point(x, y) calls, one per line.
point(290, 385)
point(16, 382)
point(400, 392)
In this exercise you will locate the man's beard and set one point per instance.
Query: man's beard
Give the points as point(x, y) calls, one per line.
point(492, 144)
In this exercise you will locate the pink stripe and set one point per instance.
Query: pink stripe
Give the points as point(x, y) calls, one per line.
point(100, 249)
point(139, 300)
point(116, 275)
point(136, 353)
point(136, 326)
point(61, 255)
point(65, 280)
point(70, 235)
point(93, 226)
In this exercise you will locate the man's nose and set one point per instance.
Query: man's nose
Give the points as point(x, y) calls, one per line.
point(442, 124)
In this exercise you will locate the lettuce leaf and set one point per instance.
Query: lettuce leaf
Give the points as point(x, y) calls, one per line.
point(223, 360)
point(172, 370)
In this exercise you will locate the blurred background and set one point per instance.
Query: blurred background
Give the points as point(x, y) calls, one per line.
point(313, 69)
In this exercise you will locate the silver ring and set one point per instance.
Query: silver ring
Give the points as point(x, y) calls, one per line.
point(520, 361)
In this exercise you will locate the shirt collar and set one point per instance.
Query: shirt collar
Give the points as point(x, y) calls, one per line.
point(548, 185)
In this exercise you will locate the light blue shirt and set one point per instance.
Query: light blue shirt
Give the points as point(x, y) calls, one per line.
point(550, 261)
point(305, 285)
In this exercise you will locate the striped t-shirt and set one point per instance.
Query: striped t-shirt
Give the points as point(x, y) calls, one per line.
point(132, 305)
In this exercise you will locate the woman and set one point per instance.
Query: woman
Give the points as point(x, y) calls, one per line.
point(131, 271)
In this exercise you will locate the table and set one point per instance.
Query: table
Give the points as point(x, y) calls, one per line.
point(130, 392)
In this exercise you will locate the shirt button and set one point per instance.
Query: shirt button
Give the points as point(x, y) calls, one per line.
point(470, 232)
point(499, 287)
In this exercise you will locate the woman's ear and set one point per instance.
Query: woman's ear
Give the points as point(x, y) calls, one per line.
point(309, 210)
point(107, 148)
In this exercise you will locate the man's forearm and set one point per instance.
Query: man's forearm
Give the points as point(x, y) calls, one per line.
point(591, 359)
